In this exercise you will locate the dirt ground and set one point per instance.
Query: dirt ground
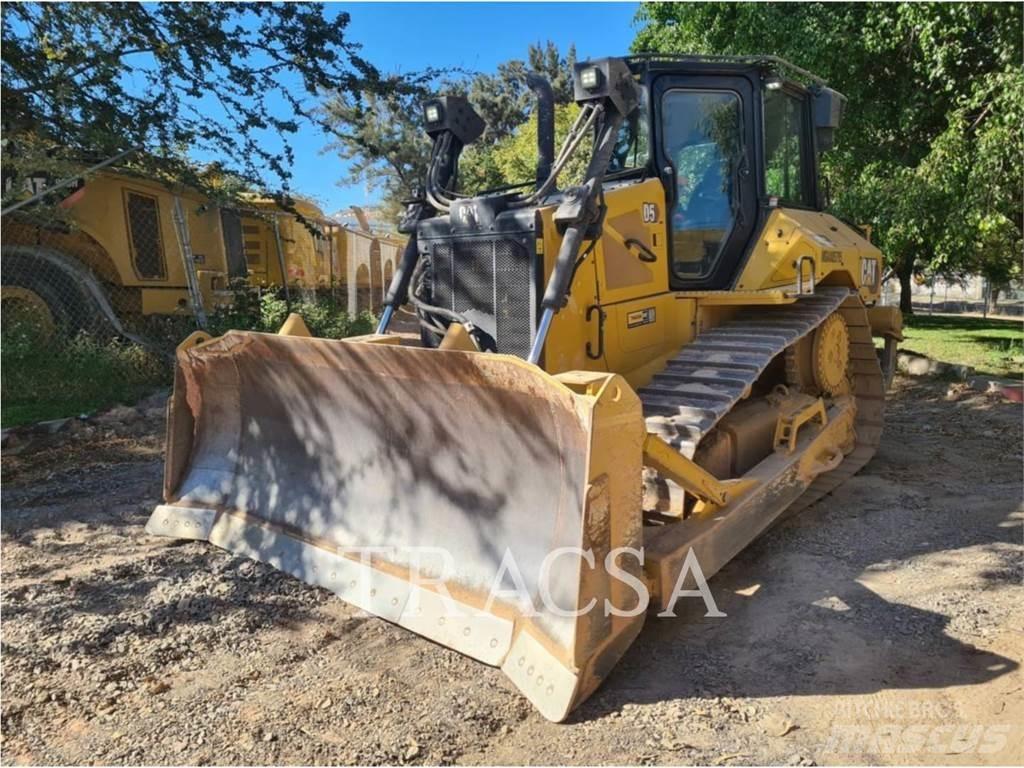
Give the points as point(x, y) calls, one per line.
point(882, 625)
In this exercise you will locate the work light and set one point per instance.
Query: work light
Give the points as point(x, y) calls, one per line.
point(590, 78)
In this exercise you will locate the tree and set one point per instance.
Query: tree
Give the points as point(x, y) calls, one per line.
point(505, 103)
point(384, 139)
point(503, 99)
point(978, 159)
point(930, 149)
point(83, 81)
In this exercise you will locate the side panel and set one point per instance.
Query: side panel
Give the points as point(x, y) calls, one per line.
point(635, 221)
point(101, 214)
point(621, 315)
point(841, 256)
point(260, 251)
point(164, 301)
point(77, 243)
point(307, 257)
point(207, 236)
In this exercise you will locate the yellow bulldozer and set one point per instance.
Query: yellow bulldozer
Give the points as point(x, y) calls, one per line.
point(617, 385)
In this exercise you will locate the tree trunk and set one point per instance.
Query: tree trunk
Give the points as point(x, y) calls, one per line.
point(993, 299)
point(906, 298)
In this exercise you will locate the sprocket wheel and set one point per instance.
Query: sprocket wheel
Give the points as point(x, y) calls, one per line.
point(818, 364)
point(830, 355)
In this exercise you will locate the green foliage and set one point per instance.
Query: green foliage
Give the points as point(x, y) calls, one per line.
point(85, 80)
point(383, 139)
point(513, 159)
point(931, 150)
point(42, 378)
point(327, 320)
point(272, 311)
point(266, 312)
point(977, 163)
point(503, 99)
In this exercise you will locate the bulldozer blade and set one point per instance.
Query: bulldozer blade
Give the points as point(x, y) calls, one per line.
point(471, 498)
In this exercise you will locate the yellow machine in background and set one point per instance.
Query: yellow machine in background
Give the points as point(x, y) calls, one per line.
point(319, 253)
point(619, 385)
point(122, 241)
point(304, 250)
point(123, 253)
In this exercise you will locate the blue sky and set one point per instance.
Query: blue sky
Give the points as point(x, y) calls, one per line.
point(405, 37)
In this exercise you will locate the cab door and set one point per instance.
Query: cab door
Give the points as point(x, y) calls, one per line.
point(706, 129)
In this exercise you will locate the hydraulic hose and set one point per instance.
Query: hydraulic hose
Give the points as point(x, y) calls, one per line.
point(443, 157)
point(398, 291)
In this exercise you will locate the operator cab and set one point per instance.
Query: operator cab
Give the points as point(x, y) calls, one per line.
point(731, 139)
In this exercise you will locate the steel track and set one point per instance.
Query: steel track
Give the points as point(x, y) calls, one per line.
point(701, 384)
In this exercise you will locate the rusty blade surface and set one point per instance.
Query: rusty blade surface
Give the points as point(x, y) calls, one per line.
point(309, 451)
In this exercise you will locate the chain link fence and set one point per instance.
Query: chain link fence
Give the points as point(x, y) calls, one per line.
point(95, 297)
point(972, 294)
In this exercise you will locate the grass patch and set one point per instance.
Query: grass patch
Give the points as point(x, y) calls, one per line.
point(992, 346)
point(45, 376)
point(53, 380)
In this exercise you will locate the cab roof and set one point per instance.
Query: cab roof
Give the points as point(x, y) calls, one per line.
point(643, 63)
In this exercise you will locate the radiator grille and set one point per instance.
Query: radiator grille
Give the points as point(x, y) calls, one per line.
point(493, 282)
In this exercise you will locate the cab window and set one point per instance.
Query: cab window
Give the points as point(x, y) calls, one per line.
point(631, 147)
point(144, 239)
point(787, 154)
point(701, 139)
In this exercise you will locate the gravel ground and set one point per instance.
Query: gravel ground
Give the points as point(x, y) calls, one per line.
point(881, 625)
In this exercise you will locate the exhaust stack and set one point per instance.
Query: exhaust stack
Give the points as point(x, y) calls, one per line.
point(545, 124)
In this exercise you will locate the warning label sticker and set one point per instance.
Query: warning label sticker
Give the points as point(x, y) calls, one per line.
point(640, 317)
